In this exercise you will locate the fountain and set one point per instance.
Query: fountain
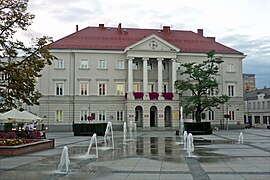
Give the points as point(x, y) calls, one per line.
point(64, 161)
point(181, 125)
point(241, 138)
point(130, 129)
point(185, 140)
point(109, 131)
point(92, 140)
point(125, 132)
point(190, 145)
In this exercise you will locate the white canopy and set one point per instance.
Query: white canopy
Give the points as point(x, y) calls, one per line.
point(15, 115)
point(3, 119)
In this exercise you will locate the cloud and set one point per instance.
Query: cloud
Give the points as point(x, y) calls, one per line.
point(258, 55)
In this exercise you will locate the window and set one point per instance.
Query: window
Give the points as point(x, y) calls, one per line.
point(249, 105)
point(268, 104)
point(120, 89)
point(164, 87)
point(257, 120)
point(230, 67)
point(102, 64)
point(254, 105)
point(101, 115)
point(149, 65)
point(84, 64)
point(120, 64)
point(135, 65)
point(164, 66)
point(84, 115)
point(102, 88)
point(83, 88)
point(211, 92)
point(231, 90)
point(263, 105)
point(231, 113)
point(59, 63)
point(59, 89)
point(3, 77)
point(119, 115)
point(136, 87)
point(211, 115)
point(151, 87)
point(59, 115)
point(178, 65)
point(258, 105)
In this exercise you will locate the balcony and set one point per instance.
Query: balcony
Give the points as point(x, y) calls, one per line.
point(152, 96)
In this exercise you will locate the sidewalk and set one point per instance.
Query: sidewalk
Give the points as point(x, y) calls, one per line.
point(150, 155)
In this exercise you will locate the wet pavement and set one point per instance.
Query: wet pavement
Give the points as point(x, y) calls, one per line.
point(149, 155)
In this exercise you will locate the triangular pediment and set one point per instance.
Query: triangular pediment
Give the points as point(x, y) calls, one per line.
point(152, 43)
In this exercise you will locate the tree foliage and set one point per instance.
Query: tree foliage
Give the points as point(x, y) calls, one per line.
point(202, 82)
point(20, 66)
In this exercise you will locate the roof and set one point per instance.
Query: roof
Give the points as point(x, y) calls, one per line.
point(111, 38)
point(253, 95)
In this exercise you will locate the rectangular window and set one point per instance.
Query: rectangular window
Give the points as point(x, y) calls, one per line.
point(83, 88)
point(84, 115)
point(101, 89)
point(230, 67)
point(136, 87)
point(120, 89)
point(178, 66)
point(164, 66)
point(231, 90)
point(119, 115)
point(102, 64)
point(120, 64)
point(59, 63)
point(59, 115)
point(258, 105)
point(101, 115)
point(254, 105)
point(232, 115)
point(149, 65)
point(263, 105)
point(211, 115)
point(59, 89)
point(268, 104)
point(164, 87)
point(135, 65)
point(151, 87)
point(257, 120)
point(249, 105)
point(84, 64)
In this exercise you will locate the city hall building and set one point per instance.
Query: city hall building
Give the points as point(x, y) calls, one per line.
point(127, 74)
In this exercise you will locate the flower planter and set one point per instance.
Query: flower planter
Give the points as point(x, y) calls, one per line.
point(138, 95)
point(26, 148)
point(153, 95)
point(167, 95)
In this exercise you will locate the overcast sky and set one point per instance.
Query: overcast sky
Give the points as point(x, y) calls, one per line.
point(241, 24)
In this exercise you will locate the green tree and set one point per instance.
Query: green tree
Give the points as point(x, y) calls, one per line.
point(202, 82)
point(20, 66)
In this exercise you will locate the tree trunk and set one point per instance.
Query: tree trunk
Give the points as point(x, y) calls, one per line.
point(198, 113)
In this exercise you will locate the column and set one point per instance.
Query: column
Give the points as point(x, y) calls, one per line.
point(160, 75)
point(145, 77)
point(173, 74)
point(130, 75)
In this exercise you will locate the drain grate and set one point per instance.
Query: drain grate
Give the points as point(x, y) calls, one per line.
point(196, 170)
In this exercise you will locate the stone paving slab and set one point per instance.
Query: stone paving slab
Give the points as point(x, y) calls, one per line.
point(150, 155)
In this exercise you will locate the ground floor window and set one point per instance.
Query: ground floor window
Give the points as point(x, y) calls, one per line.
point(84, 115)
point(232, 115)
point(211, 115)
point(257, 120)
point(101, 115)
point(119, 115)
point(59, 115)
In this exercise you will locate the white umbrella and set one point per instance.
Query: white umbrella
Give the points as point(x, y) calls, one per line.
point(3, 119)
point(28, 115)
point(15, 115)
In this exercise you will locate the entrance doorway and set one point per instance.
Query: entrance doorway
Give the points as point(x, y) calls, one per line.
point(139, 116)
point(168, 116)
point(153, 116)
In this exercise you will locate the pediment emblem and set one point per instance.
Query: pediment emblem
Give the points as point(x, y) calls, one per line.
point(153, 44)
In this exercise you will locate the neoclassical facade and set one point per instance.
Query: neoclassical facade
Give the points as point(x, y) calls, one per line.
point(126, 74)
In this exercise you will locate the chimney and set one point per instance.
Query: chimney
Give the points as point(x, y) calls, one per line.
point(200, 32)
point(166, 29)
point(77, 28)
point(212, 38)
point(119, 29)
point(101, 26)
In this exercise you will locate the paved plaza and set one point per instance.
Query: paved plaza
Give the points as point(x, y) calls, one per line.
point(149, 155)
